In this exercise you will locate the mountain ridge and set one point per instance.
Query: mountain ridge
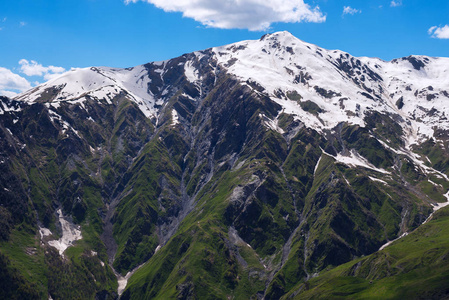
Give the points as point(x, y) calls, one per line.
point(415, 67)
point(236, 171)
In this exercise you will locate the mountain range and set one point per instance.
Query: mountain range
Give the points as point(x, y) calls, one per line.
point(264, 169)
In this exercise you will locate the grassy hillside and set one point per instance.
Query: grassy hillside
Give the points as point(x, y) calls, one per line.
point(414, 267)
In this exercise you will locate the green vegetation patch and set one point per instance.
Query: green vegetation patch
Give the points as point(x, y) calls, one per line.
point(415, 267)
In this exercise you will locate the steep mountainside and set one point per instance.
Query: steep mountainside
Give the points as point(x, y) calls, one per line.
point(240, 171)
point(415, 268)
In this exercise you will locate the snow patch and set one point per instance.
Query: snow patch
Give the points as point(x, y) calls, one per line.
point(316, 166)
point(70, 234)
point(439, 206)
point(175, 117)
point(188, 96)
point(390, 242)
point(355, 160)
point(434, 183)
point(190, 72)
point(271, 124)
point(56, 104)
point(10, 132)
point(9, 109)
point(79, 101)
point(66, 126)
point(378, 180)
point(44, 232)
point(123, 281)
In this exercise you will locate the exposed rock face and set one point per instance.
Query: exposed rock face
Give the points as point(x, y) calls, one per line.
point(247, 167)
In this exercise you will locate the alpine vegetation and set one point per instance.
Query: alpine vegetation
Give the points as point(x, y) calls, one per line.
point(264, 169)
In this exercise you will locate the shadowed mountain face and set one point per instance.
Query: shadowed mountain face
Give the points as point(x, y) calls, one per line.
point(234, 172)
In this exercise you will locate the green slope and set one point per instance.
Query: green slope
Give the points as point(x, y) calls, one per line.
point(414, 267)
point(218, 204)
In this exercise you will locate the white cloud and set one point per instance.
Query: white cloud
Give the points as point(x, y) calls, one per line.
point(22, 24)
point(33, 68)
point(255, 15)
point(8, 94)
point(396, 3)
point(347, 10)
point(439, 32)
point(431, 30)
point(11, 83)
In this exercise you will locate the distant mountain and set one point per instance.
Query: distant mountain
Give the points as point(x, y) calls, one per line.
point(244, 171)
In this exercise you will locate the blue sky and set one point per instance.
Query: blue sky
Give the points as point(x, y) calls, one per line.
point(41, 38)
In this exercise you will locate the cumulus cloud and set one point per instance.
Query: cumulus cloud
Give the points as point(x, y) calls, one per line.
point(255, 15)
point(347, 10)
point(11, 83)
point(396, 3)
point(33, 68)
point(8, 93)
point(22, 24)
point(439, 32)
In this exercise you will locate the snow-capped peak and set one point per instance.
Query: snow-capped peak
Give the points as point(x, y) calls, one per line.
point(344, 87)
point(100, 83)
point(291, 72)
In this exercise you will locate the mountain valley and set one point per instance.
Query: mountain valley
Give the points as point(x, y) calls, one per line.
point(265, 169)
